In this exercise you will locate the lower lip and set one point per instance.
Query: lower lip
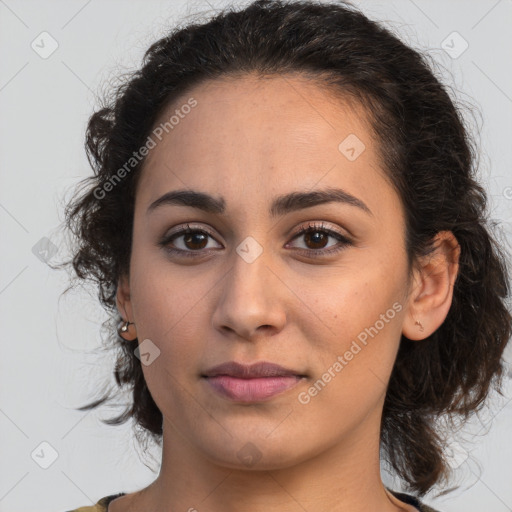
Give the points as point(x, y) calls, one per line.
point(251, 390)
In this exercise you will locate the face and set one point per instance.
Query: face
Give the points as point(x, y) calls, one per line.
point(246, 284)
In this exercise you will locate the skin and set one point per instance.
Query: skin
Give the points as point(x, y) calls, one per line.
point(249, 140)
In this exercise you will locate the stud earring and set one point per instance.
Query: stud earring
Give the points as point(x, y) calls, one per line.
point(420, 325)
point(123, 328)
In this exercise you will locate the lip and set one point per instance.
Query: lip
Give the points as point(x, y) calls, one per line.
point(251, 383)
point(250, 371)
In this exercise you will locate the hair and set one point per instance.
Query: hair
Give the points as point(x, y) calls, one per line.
point(427, 153)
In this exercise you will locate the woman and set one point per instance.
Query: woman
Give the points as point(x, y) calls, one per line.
point(285, 223)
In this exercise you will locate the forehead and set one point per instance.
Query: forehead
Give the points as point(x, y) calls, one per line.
point(263, 135)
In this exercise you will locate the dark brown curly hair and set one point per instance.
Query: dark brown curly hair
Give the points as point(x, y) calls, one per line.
point(426, 152)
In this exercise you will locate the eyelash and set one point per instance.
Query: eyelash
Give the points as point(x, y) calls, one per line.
point(311, 228)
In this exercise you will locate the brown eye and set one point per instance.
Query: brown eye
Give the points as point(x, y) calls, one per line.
point(316, 238)
point(195, 240)
point(187, 241)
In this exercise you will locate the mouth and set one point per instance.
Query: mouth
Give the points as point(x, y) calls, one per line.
point(251, 383)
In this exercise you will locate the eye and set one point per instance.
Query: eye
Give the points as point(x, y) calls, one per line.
point(316, 237)
point(194, 241)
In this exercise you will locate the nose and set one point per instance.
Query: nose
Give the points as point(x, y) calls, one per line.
point(252, 301)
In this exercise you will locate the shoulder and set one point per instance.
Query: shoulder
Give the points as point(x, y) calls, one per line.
point(100, 506)
point(426, 508)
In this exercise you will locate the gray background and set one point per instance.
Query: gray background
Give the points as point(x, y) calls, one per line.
point(50, 363)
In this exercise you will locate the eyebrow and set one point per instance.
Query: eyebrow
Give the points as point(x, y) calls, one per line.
point(280, 206)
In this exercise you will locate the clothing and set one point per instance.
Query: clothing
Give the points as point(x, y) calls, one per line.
point(102, 505)
point(411, 500)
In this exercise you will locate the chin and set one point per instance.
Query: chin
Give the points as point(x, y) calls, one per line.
point(256, 453)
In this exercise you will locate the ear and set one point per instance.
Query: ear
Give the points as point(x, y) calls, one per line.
point(123, 300)
point(432, 293)
point(124, 306)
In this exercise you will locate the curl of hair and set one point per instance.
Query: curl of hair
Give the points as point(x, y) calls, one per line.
point(427, 154)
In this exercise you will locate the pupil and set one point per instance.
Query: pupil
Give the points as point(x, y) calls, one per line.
point(317, 236)
point(189, 239)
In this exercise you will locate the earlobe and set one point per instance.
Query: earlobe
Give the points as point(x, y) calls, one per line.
point(431, 298)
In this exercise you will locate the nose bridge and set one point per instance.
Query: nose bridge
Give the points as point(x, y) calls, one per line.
point(251, 267)
point(252, 257)
point(251, 296)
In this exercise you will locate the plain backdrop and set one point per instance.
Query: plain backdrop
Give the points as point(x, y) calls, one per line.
point(55, 57)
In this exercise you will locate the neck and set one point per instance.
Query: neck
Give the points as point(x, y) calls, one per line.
point(341, 478)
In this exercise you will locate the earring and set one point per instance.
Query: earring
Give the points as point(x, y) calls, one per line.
point(123, 327)
point(421, 326)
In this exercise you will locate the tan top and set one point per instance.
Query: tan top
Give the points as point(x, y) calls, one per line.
point(102, 504)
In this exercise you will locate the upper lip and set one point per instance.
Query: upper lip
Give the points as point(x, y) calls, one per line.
point(243, 371)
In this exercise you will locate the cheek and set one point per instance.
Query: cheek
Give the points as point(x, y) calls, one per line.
point(163, 294)
point(355, 364)
point(363, 320)
point(167, 304)
point(350, 301)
